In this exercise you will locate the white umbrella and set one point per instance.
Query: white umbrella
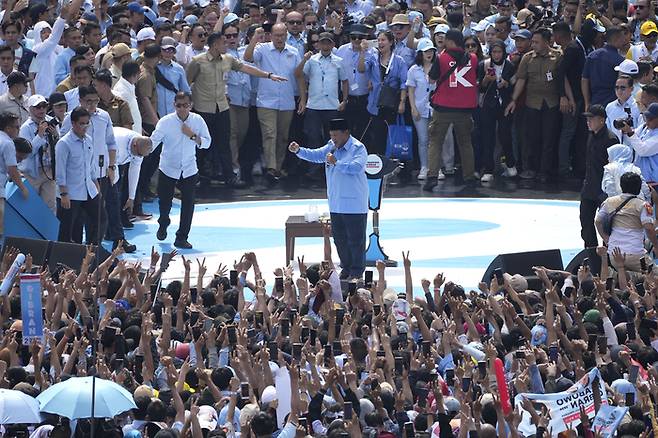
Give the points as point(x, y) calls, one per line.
point(17, 407)
point(72, 399)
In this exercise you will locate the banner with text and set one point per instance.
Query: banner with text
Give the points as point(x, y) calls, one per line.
point(607, 420)
point(564, 407)
point(31, 308)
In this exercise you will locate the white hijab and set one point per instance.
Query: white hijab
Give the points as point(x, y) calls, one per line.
point(38, 28)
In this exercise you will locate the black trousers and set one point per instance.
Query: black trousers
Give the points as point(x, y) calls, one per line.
point(187, 188)
point(68, 217)
point(588, 209)
point(377, 134)
point(542, 134)
point(493, 121)
point(316, 127)
point(150, 164)
point(219, 153)
point(122, 187)
point(349, 233)
point(356, 114)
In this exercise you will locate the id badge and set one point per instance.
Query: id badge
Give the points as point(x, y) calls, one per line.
point(354, 86)
point(549, 76)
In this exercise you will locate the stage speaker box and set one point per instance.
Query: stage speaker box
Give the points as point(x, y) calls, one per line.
point(594, 261)
point(71, 255)
point(36, 247)
point(47, 252)
point(522, 263)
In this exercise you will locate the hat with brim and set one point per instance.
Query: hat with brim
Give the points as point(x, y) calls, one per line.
point(400, 19)
point(168, 43)
point(136, 7)
point(441, 28)
point(36, 100)
point(207, 417)
point(326, 36)
point(120, 49)
point(523, 34)
point(596, 111)
point(360, 30)
point(648, 27)
point(628, 67)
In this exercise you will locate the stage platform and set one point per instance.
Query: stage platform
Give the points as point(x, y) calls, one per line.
point(456, 236)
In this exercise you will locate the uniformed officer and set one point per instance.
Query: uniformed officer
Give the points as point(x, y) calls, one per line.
point(347, 190)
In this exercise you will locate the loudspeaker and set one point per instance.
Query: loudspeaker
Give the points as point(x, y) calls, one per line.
point(522, 263)
point(594, 261)
point(47, 252)
point(37, 248)
point(71, 255)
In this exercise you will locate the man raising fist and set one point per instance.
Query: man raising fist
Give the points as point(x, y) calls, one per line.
point(347, 190)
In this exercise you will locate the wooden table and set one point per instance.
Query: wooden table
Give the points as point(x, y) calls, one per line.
point(296, 226)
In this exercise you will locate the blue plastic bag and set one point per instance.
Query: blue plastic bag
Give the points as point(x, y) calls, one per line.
point(400, 141)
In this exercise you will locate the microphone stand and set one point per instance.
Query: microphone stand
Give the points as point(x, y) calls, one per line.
point(94, 348)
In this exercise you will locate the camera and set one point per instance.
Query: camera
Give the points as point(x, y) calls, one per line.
point(622, 121)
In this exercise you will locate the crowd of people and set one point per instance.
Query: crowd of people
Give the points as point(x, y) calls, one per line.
point(107, 105)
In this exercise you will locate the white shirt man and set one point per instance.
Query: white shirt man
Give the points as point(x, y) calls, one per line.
point(131, 150)
point(622, 107)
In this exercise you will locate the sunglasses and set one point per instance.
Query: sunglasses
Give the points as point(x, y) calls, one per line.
point(294, 22)
point(640, 7)
point(231, 35)
point(202, 35)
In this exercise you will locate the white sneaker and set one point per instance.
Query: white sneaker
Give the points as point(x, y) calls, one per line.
point(510, 172)
point(423, 173)
point(487, 177)
point(441, 176)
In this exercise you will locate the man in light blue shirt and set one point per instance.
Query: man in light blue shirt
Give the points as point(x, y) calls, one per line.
point(275, 100)
point(318, 77)
point(75, 173)
point(344, 158)
point(352, 54)
point(102, 139)
point(295, 26)
point(73, 40)
point(172, 72)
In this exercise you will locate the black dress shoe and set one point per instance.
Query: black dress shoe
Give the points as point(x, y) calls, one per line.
point(127, 225)
point(430, 184)
point(184, 244)
point(128, 247)
point(236, 183)
point(272, 176)
point(162, 233)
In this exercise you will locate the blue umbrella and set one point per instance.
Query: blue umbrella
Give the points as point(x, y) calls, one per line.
point(17, 407)
point(72, 399)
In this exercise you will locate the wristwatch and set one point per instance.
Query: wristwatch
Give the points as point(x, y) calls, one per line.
point(193, 137)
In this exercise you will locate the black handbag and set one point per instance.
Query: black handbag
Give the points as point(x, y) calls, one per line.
point(389, 97)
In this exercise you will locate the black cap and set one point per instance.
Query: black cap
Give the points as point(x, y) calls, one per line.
point(56, 98)
point(338, 125)
point(596, 111)
point(17, 77)
point(360, 29)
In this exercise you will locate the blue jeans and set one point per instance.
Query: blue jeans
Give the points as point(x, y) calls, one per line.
point(349, 233)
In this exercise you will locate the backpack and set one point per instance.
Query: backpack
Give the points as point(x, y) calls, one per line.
point(608, 218)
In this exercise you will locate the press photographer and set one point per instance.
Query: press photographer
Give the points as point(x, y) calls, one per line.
point(644, 142)
point(624, 109)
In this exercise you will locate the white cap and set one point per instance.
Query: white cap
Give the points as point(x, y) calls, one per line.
point(628, 67)
point(145, 34)
point(425, 44)
point(269, 394)
point(441, 28)
point(207, 417)
point(36, 99)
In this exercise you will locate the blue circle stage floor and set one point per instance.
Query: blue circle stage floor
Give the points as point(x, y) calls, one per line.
point(456, 236)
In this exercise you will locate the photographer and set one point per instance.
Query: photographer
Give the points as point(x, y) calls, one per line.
point(644, 142)
point(623, 109)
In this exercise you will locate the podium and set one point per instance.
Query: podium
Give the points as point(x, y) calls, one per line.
point(377, 168)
